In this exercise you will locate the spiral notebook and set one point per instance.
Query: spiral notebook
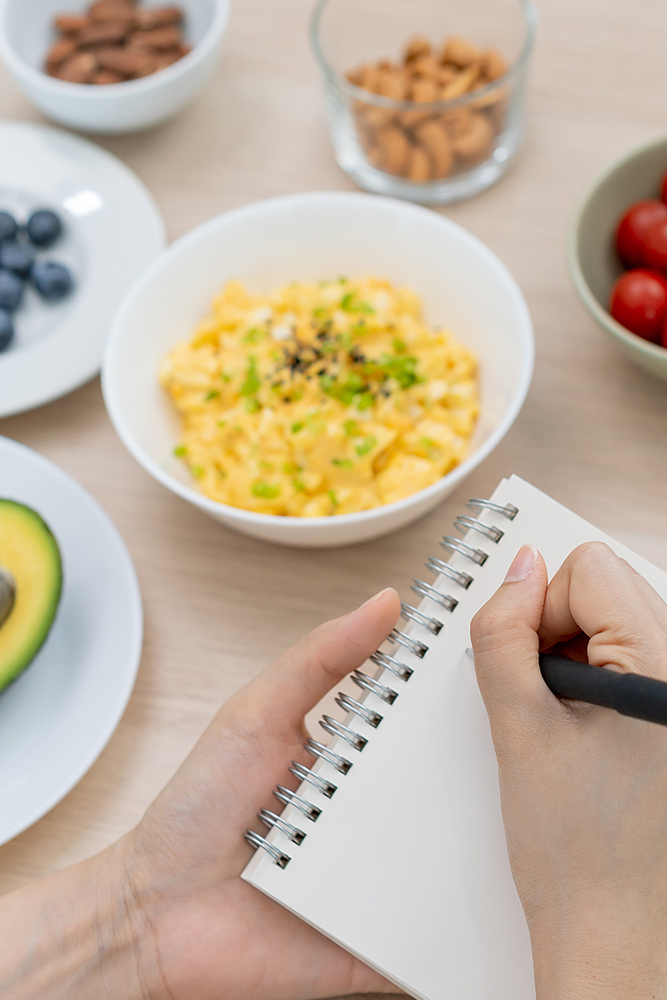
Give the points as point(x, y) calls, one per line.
point(393, 845)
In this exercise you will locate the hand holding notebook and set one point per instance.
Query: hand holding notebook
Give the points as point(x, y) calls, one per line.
point(164, 913)
point(407, 866)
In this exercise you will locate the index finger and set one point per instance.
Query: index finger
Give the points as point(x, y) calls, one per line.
point(598, 593)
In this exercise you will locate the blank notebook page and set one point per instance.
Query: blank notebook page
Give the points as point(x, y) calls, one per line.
point(406, 867)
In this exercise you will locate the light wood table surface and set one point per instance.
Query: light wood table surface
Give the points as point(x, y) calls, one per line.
point(593, 432)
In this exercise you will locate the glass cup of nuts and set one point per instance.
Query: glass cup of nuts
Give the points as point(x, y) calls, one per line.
point(424, 98)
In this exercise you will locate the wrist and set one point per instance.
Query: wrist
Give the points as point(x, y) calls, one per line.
point(77, 934)
point(585, 959)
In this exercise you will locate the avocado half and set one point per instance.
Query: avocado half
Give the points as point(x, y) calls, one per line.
point(31, 554)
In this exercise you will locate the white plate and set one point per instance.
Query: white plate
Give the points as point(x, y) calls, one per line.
point(113, 231)
point(58, 715)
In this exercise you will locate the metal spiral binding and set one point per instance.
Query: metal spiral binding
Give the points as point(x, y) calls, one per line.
point(509, 510)
point(316, 780)
point(403, 639)
point(254, 839)
point(324, 753)
point(367, 683)
point(391, 663)
point(335, 728)
point(270, 819)
point(454, 545)
point(415, 615)
point(465, 524)
point(351, 705)
point(290, 798)
point(426, 590)
point(443, 568)
point(375, 687)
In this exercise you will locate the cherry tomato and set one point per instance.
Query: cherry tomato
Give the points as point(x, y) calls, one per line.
point(639, 302)
point(663, 335)
point(663, 189)
point(655, 246)
point(632, 230)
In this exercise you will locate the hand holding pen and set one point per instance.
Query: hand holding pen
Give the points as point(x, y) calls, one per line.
point(584, 789)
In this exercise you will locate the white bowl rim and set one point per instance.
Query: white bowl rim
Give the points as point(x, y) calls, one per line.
point(113, 90)
point(241, 515)
point(597, 311)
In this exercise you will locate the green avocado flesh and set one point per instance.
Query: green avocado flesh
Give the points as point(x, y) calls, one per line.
point(31, 554)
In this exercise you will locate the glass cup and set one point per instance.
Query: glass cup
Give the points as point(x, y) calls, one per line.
point(424, 98)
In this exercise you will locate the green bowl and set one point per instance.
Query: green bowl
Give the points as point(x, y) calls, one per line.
point(591, 253)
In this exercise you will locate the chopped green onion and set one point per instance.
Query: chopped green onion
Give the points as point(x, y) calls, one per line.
point(252, 405)
point(252, 381)
point(212, 394)
point(265, 491)
point(366, 445)
point(299, 426)
point(180, 450)
point(254, 335)
point(352, 428)
point(342, 463)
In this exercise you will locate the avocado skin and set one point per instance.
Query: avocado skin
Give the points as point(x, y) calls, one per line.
point(30, 551)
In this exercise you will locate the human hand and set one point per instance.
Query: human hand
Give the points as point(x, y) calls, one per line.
point(583, 790)
point(214, 935)
point(164, 914)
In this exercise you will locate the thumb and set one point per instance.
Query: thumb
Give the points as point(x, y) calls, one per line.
point(505, 638)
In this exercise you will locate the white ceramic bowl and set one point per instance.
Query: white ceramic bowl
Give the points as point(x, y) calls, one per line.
point(311, 237)
point(26, 34)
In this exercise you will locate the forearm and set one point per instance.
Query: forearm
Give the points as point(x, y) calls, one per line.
point(74, 936)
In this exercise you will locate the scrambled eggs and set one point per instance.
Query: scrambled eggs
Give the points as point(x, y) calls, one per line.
point(320, 399)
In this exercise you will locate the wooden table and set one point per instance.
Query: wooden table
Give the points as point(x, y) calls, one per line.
point(593, 432)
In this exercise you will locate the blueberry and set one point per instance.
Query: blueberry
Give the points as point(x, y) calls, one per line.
point(52, 281)
point(8, 227)
point(6, 330)
point(17, 258)
point(44, 227)
point(11, 291)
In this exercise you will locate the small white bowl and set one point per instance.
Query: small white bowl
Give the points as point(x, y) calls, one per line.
point(309, 237)
point(26, 34)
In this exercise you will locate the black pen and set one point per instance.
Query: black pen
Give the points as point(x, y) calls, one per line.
point(630, 694)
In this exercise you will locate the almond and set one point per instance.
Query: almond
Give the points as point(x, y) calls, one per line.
point(433, 137)
point(392, 83)
point(394, 148)
point(374, 117)
point(58, 53)
point(423, 90)
point(123, 61)
point(158, 17)
point(159, 38)
point(460, 52)
point(461, 84)
point(369, 77)
point(102, 33)
point(416, 47)
point(419, 164)
point(69, 24)
point(426, 65)
point(99, 10)
point(79, 68)
point(493, 64)
point(105, 76)
point(475, 143)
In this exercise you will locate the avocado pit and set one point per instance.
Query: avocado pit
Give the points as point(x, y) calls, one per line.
point(7, 593)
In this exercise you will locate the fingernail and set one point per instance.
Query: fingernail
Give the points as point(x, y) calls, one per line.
point(523, 564)
point(376, 597)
